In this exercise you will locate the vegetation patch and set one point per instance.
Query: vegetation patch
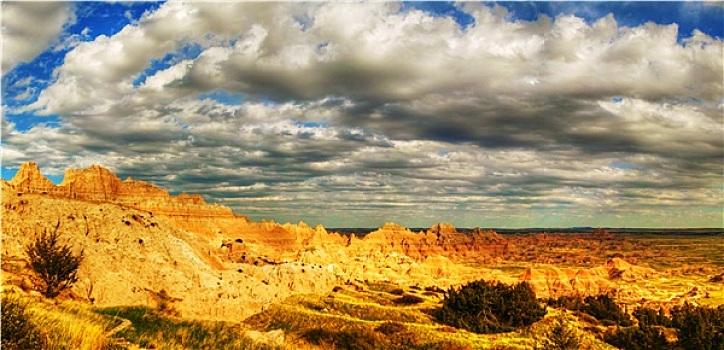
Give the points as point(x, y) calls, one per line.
point(638, 338)
point(408, 299)
point(490, 307)
point(18, 332)
point(151, 329)
point(55, 264)
point(603, 307)
point(29, 323)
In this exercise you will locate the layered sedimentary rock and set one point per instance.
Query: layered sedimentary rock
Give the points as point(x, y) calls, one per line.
point(440, 239)
point(549, 281)
point(101, 185)
point(28, 179)
point(131, 256)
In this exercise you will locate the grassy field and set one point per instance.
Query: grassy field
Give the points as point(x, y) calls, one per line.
point(375, 315)
point(154, 330)
point(64, 325)
point(69, 325)
point(673, 251)
point(370, 318)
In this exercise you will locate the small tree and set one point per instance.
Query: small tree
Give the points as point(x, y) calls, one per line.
point(55, 264)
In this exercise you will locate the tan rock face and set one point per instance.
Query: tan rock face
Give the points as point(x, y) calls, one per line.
point(129, 255)
point(99, 184)
point(138, 240)
point(441, 239)
point(549, 281)
point(28, 179)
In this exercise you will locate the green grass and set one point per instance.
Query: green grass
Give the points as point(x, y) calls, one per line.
point(368, 319)
point(66, 324)
point(675, 250)
point(151, 329)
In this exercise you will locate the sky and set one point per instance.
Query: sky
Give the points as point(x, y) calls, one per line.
point(353, 114)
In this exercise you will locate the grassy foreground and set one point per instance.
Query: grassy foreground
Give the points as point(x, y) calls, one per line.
point(372, 317)
point(63, 325)
point(68, 325)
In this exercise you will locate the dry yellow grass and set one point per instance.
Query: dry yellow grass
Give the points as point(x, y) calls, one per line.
point(353, 319)
point(66, 325)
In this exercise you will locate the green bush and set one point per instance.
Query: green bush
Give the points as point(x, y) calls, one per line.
point(489, 307)
point(604, 309)
point(561, 337)
point(699, 327)
point(55, 264)
point(650, 317)
point(570, 302)
point(638, 338)
point(17, 330)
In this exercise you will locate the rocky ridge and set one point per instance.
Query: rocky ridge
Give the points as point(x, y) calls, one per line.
point(139, 240)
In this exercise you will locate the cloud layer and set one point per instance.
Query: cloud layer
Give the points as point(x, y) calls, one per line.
point(355, 114)
point(29, 27)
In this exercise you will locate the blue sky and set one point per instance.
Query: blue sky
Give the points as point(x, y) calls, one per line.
point(266, 106)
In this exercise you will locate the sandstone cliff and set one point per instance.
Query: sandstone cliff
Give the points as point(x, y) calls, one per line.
point(130, 256)
point(140, 240)
point(440, 239)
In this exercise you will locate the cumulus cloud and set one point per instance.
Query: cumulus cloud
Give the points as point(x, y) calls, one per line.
point(374, 109)
point(30, 27)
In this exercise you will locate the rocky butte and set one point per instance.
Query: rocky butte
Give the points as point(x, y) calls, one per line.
point(140, 242)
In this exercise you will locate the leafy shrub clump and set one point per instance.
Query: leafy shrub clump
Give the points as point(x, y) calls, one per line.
point(561, 337)
point(55, 264)
point(638, 338)
point(408, 299)
point(17, 330)
point(604, 309)
point(570, 302)
point(699, 327)
point(489, 307)
point(650, 317)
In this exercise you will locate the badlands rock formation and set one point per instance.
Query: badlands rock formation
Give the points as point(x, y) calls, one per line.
point(550, 281)
point(442, 239)
point(141, 243)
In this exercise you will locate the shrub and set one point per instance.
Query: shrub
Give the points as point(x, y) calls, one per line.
point(55, 264)
point(650, 317)
point(699, 327)
point(604, 309)
point(562, 337)
point(408, 299)
point(573, 302)
point(485, 307)
point(638, 338)
point(17, 330)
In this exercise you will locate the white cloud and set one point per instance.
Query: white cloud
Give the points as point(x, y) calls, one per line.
point(30, 27)
point(410, 108)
